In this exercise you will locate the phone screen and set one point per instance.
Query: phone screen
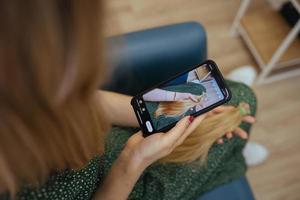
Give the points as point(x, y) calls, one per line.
point(184, 95)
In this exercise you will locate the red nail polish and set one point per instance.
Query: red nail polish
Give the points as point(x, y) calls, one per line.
point(191, 119)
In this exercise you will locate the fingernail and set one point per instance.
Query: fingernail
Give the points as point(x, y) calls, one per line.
point(191, 119)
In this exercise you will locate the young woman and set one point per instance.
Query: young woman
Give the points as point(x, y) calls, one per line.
point(53, 119)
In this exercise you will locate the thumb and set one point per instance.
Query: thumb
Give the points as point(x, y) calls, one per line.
point(176, 132)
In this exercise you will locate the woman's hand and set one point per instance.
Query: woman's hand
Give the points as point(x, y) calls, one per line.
point(179, 96)
point(138, 154)
point(238, 131)
point(144, 151)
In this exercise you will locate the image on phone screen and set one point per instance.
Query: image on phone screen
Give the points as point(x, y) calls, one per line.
point(185, 95)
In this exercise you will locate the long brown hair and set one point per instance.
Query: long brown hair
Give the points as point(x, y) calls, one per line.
point(50, 67)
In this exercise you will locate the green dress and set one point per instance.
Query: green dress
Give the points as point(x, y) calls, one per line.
point(159, 181)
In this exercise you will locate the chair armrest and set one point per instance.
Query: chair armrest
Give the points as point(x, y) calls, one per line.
point(144, 58)
point(235, 190)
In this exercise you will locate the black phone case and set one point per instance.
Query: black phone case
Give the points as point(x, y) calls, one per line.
point(141, 118)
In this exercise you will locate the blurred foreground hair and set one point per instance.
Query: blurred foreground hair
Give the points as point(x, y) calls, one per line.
point(197, 145)
point(50, 67)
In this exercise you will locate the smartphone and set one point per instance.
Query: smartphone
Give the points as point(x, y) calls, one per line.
point(192, 92)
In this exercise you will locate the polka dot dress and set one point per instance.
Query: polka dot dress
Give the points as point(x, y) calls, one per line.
point(77, 185)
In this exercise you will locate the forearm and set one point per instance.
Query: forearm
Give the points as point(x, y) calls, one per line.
point(120, 180)
point(118, 108)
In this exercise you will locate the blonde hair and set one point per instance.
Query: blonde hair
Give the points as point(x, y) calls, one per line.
point(50, 67)
point(197, 144)
point(177, 108)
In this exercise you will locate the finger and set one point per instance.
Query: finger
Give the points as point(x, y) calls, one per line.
point(195, 123)
point(218, 109)
point(249, 119)
point(174, 134)
point(210, 113)
point(220, 141)
point(222, 109)
point(241, 133)
point(229, 135)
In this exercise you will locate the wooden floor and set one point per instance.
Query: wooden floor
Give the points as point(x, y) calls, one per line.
point(278, 119)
